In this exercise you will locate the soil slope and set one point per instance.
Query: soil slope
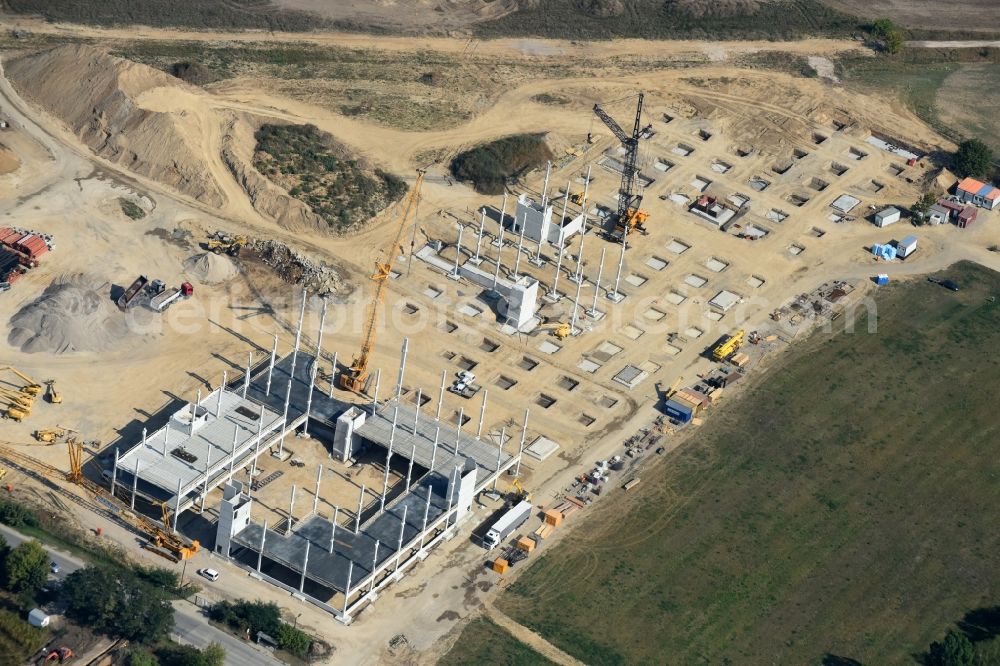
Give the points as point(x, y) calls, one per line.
point(100, 98)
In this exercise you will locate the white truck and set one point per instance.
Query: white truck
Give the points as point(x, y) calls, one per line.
point(505, 525)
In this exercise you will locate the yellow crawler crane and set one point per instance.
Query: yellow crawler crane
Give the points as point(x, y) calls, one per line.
point(729, 346)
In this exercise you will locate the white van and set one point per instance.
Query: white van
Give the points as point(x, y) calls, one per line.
point(210, 574)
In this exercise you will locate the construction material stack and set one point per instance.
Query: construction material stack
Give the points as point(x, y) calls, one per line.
point(20, 250)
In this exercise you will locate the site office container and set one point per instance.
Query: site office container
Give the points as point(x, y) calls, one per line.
point(678, 410)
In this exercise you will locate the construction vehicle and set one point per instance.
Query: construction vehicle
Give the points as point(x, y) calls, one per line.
point(19, 404)
point(577, 197)
point(162, 540)
point(52, 435)
point(167, 297)
point(356, 377)
point(505, 525)
point(31, 387)
point(129, 296)
point(60, 654)
point(629, 216)
point(221, 242)
point(561, 330)
point(728, 347)
point(673, 388)
point(53, 395)
point(521, 495)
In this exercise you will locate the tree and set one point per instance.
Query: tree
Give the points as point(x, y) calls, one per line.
point(924, 203)
point(118, 603)
point(955, 650)
point(173, 654)
point(974, 158)
point(882, 27)
point(26, 567)
point(891, 36)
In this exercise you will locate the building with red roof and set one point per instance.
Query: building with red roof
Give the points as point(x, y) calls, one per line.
point(977, 193)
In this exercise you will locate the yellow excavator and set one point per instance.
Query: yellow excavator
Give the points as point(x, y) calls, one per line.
point(561, 330)
point(355, 378)
point(54, 396)
point(521, 494)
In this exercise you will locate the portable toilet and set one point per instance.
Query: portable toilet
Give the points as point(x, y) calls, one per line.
point(882, 279)
point(906, 247)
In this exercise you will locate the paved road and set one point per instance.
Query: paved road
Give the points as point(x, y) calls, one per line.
point(191, 626)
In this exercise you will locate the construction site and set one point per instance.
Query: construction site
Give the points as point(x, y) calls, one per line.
point(334, 417)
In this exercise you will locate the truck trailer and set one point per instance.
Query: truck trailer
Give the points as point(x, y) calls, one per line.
point(505, 525)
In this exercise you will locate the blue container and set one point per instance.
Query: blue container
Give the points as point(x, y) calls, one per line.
point(881, 279)
point(676, 410)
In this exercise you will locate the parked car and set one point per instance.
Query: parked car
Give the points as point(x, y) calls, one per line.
point(210, 574)
point(54, 567)
point(948, 284)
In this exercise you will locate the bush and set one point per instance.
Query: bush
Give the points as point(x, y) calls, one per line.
point(491, 165)
point(131, 209)
point(173, 654)
point(293, 640)
point(15, 515)
point(118, 604)
point(974, 158)
point(255, 616)
point(26, 568)
point(954, 650)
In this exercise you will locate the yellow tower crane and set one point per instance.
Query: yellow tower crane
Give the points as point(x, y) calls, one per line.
point(355, 378)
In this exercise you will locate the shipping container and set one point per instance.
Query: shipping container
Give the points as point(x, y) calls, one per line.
point(906, 247)
point(678, 410)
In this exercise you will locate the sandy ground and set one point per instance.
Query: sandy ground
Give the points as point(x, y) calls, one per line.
point(64, 190)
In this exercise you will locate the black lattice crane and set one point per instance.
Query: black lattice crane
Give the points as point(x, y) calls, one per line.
point(629, 216)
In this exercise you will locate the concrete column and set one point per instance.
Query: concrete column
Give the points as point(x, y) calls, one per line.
point(482, 415)
point(614, 296)
point(520, 450)
point(378, 381)
point(361, 506)
point(503, 433)
point(135, 482)
point(333, 373)
point(333, 527)
point(284, 420)
point(597, 285)
point(451, 496)
point(166, 437)
point(520, 244)
point(545, 186)
point(374, 565)
point(402, 367)
point(388, 456)
point(319, 336)
point(416, 414)
point(458, 429)
point(114, 473)
point(305, 565)
point(583, 228)
point(555, 282)
point(204, 487)
point(246, 376)
point(298, 336)
point(399, 544)
point(444, 376)
point(270, 366)
point(576, 307)
point(263, 538)
point(256, 447)
point(222, 388)
point(177, 506)
point(194, 412)
point(427, 508)
point(319, 480)
point(291, 508)
point(309, 398)
point(458, 254)
point(347, 588)
point(143, 446)
point(479, 238)
point(434, 450)
point(503, 218)
point(409, 469)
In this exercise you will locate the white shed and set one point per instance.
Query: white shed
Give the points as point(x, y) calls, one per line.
point(887, 216)
point(906, 247)
point(38, 618)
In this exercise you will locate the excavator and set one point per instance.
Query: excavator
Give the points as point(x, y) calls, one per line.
point(521, 494)
point(52, 435)
point(54, 396)
point(561, 330)
point(356, 377)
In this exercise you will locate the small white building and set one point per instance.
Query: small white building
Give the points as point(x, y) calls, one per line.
point(539, 226)
point(906, 247)
point(938, 215)
point(38, 618)
point(887, 216)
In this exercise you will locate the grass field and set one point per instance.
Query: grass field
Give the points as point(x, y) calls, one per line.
point(845, 505)
point(485, 642)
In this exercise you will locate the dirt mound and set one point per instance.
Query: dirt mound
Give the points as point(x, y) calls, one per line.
point(209, 268)
point(267, 198)
point(116, 107)
point(294, 268)
point(73, 314)
point(8, 160)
